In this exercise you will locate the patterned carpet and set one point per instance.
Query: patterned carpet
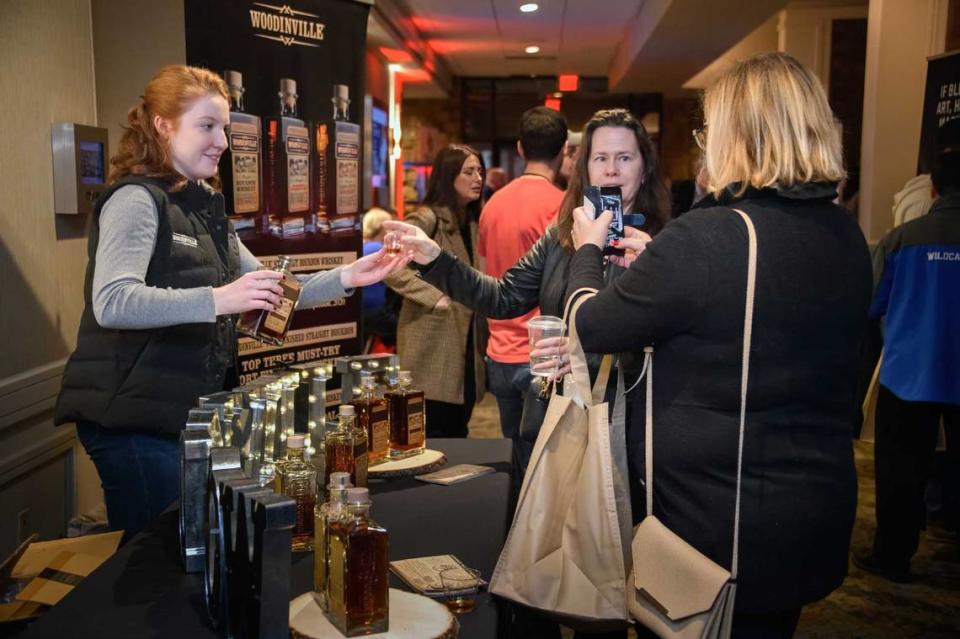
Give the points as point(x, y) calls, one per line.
point(865, 606)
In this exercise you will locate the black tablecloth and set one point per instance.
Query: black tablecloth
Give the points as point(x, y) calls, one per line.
point(142, 592)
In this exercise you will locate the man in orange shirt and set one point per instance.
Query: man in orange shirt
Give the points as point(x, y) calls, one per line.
point(511, 222)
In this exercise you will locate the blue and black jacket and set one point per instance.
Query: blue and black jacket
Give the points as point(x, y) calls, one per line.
point(917, 270)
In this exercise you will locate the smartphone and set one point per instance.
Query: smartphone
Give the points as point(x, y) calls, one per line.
point(596, 200)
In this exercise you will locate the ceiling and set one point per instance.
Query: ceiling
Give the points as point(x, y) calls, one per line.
point(488, 37)
point(640, 45)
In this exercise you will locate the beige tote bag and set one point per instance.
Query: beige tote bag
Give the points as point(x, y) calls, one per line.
point(675, 590)
point(566, 550)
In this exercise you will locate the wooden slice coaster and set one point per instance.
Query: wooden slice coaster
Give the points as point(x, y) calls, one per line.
point(412, 616)
point(426, 462)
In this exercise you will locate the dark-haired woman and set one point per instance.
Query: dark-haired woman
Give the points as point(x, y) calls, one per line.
point(438, 338)
point(166, 278)
point(617, 151)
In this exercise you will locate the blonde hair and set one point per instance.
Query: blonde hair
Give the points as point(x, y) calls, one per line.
point(373, 221)
point(768, 122)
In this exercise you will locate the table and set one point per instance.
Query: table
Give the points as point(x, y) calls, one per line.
point(142, 592)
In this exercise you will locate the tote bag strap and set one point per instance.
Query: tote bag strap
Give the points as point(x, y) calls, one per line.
point(744, 377)
point(577, 381)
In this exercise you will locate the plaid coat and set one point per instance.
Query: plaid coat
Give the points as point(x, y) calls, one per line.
point(432, 343)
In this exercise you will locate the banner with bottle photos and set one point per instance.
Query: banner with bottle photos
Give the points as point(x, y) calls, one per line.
point(291, 176)
point(940, 126)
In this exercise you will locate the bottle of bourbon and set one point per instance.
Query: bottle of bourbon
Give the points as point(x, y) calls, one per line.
point(408, 422)
point(271, 326)
point(372, 417)
point(338, 446)
point(240, 171)
point(298, 480)
point(287, 170)
point(358, 585)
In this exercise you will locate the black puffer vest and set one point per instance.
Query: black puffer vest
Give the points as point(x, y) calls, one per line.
point(147, 380)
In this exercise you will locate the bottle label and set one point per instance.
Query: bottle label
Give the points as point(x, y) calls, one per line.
point(322, 141)
point(298, 169)
point(245, 157)
point(415, 421)
point(277, 320)
point(379, 429)
point(361, 460)
point(347, 153)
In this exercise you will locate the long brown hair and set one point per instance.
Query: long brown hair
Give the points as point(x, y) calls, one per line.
point(143, 150)
point(440, 189)
point(653, 198)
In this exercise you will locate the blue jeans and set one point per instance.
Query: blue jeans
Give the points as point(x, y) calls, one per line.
point(139, 472)
point(509, 384)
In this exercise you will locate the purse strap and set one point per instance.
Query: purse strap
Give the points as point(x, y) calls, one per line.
point(744, 376)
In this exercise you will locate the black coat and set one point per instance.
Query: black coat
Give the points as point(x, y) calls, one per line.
point(685, 295)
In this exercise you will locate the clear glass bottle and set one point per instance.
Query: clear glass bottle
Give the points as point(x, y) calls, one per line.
point(324, 515)
point(338, 445)
point(271, 326)
point(298, 481)
point(358, 584)
point(408, 419)
point(372, 418)
point(287, 170)
point(240, 172)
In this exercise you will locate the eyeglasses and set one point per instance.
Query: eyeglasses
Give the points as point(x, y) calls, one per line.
point(700, 137)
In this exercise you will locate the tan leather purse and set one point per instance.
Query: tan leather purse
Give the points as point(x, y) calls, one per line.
point(674, 589)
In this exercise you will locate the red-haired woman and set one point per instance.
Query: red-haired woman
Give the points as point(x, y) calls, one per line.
point(166, 278)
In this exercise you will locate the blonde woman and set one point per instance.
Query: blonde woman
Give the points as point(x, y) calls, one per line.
point(772, 150)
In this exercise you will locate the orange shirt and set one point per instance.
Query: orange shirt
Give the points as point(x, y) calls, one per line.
point(511, 222)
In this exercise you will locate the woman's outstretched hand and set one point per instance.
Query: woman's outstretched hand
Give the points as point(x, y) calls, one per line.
point(413, 239)
point(372, 268)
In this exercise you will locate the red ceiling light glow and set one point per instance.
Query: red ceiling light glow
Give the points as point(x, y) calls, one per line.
point(395, 56)
point(552, 103)
point(568, 82)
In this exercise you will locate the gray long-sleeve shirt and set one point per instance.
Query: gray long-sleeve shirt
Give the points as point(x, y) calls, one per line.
point(123, 300)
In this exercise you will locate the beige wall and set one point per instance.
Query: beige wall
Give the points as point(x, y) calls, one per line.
point(901, 34)
point(804, 31)
point(129, 46)
point(46, 76)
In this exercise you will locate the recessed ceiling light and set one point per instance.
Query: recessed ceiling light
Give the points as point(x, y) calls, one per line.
point(558, 94)
point(529, 7)
point(532, 49)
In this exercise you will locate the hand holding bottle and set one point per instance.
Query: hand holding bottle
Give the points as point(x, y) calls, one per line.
point(372, 268)
point(635, 242)
point(415, 241)
point(253, 290)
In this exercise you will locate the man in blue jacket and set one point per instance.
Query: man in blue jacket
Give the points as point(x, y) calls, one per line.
point(917, 270)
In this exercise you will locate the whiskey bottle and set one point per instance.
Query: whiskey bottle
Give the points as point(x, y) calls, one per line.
point(408, 424)
point(271, 326)
point(338, 445)
point(320, 135)
point(240, 171)
point(346, 153)
point(372, 418)
point(358, 586)
point(361, 455)
point(287, 171)
point(324, 515)
point(299, 482)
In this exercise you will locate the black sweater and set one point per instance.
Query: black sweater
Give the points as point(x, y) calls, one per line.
point(685, 296)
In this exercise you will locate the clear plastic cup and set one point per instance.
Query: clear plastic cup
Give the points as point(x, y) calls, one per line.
point(542, 327)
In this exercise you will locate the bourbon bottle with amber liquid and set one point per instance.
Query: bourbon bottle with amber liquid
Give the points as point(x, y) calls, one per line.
point(338, 445)
point(358, 585)
point(408, 422)
point(271, 326)
point(298, 480)
point(372, 418)
point(287, 167)
point(324, 515)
